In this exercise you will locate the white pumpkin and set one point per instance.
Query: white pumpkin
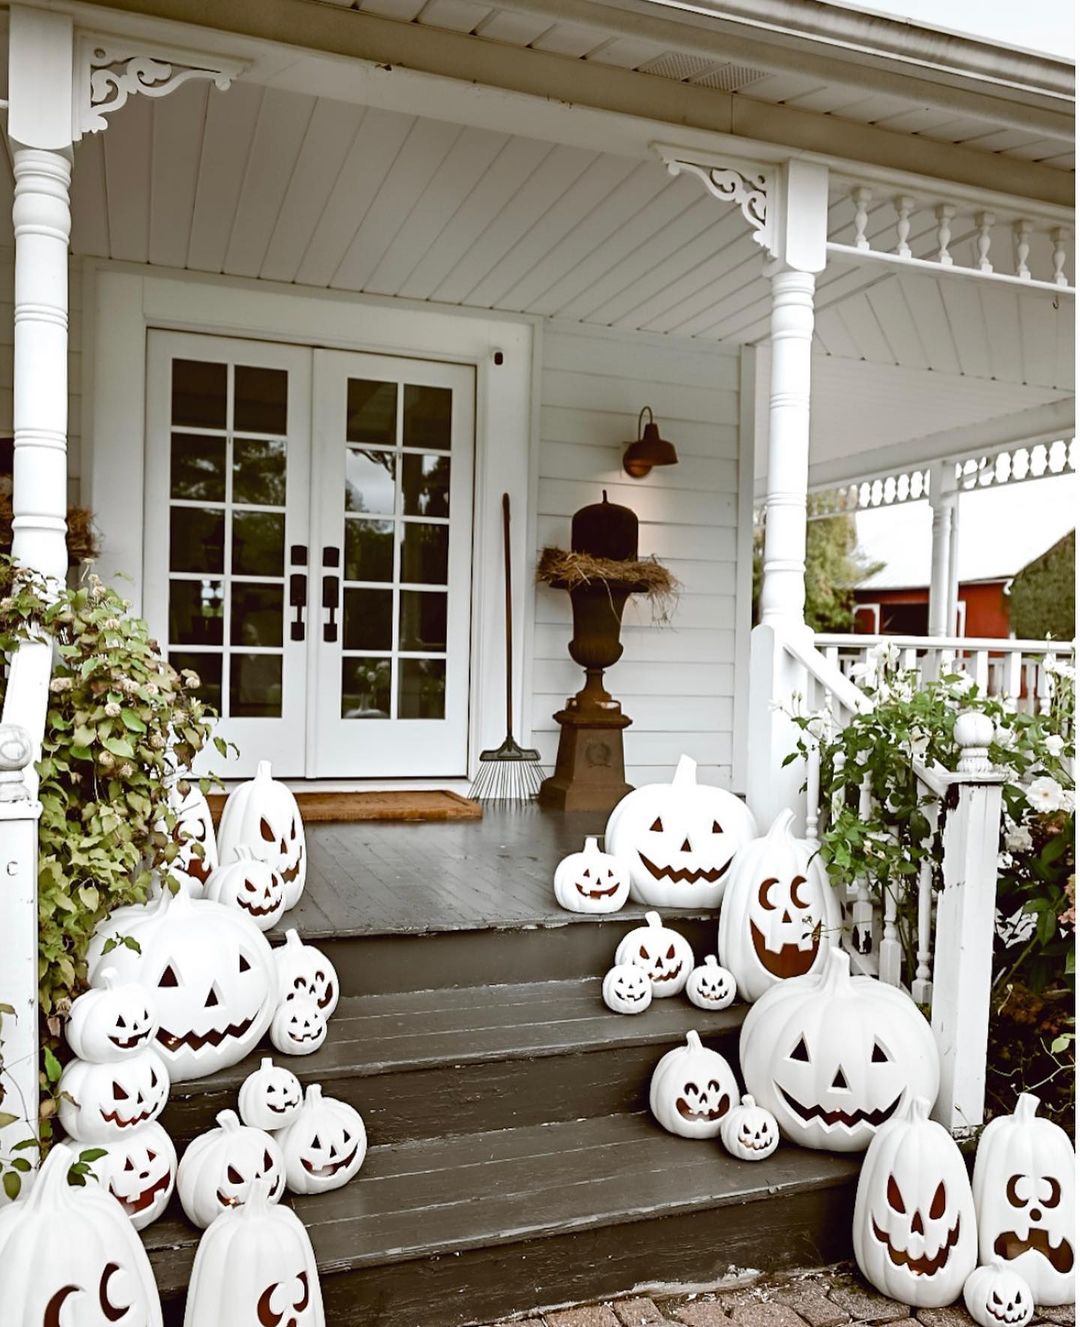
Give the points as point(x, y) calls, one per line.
point(298, 1026)
point(692, 1089)
point(914, 1227)
point(831, 1055)
point(997, 1297)
point(255, 1267)
point(211, 973)
point(678, 839)
point(779, 914)
point(325, 1145)
point(113, 1021)
point(304, 970)
point(710, 986)
point(252, 886)
point(1025, 1194)
point(101, 1102)
point(626, 989)
point(69, 1256)
point(591, 881)
point(660, 952)
point(139, 1170)
point(220, 1167)
point(263, 815)
point(194, 833)
point(749, 1131)
point(271, 1097)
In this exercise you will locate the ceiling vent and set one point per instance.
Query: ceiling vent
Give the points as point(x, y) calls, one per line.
point(676, 65)
point(729, 78)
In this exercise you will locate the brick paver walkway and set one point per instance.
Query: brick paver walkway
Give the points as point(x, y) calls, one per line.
point(824, 1297)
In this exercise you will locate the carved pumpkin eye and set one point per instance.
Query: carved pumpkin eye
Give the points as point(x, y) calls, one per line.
point(643, 951)
point(671, 951)
point(245, 966)
point(657, 826)
point(880, 1055)
point(266, 830)
point(233, 1175)
point(937, 1207)
point(316, 1143)
point(800, 1052)
point(268, 1163)
point(292, 832)
point(1012, 1191)
point(799, 902)
point(717, 828)
point(892, 1192)
point(129, 1164)
point(586, 875)
point(153, 1078)
point(168, 977)
point(763, 895)
point(1055, 1191)
point(118, 1092)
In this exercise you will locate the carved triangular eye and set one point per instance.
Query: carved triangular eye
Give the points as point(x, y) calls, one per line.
point(118, 1092)
point(586, 876)
point(880, 1054)
point(671, 951)
point(120, 1023)
point(896, 1200)
point(717, 828)
point(129, 1164)
point(245, 966)
point(643, 951)
point(800, 1052)
point(266, 830)
point(657, 826)
point(268, 1163)
point(168, 977)
point(937, 1206)
point(234, 1175)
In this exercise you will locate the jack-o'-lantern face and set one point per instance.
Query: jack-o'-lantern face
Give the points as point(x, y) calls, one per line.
point(108, 1303)
point(997, 1297)
point(1008, 1306)
point(212, 1025)
point(710, 986)
point(239, 1173)
point(626, 989)
point(704, 1101)
point(139, 1172)
point(99, 1102)
point(285, 1303)
point(1034, 1200)
point(270, 1098)
point(919, 1230)
point(818, 1090)
point(329, 1151)
point(325, 1146)
point(113, 1022)
point(662, 954)
point(750, 1132)
point(298, 1027)
point(692, 1089)
point(290, 846)
point(591, 881)
point(251, 886)
point(263, 815)
point(757, 1136)
point(787, 944)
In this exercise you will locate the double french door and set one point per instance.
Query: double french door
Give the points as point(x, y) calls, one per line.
point(308, 537)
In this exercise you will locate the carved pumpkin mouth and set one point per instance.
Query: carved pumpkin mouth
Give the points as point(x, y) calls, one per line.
point(282, 1110)
point(669, 975)
point(716, 1113)
point(331, 1168)
point(304, 1036)
point(1009, 1316)
point(848, 1118)
point(290, 873)
point(1009, 1244)
point(635, 997)
point(714, 997)
point(256, 910)
point(199, 869)
point(129, 1043)
point(921, 1266)
point(788, 960)
point(325, 1001)
point(133, 1206)
point(596, 893)
point(683, 873)
point(114, 1117)
point(195, 1041)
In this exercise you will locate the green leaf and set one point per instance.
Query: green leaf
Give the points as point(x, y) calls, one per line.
point(132, 720)
point(52, 1065)
point(92, 1154)
point(7, 1118)
point(12, 1184)
point(119, 746)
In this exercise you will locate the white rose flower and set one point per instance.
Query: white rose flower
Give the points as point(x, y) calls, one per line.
point(1018, 839)
point(1045, 794)
point(1055, 744)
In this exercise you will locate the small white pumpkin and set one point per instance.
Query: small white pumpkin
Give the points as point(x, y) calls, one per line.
point(591, 881)
point(298, 1027)
point(914, 1229)
point(251, 885)
point(255, 1267)
point(710, 986)
point(221, 1166)
point(263, 815)
point(102, 1102)
point(660, 952)
point(998, 1297)
point(626, 989)
point(749, 1131)
point(304, 970)
point(271, 1097)
point(325, 1145)
point(139, 1171)
point(113, 1021)
point(194, 834)
point(692, 1090)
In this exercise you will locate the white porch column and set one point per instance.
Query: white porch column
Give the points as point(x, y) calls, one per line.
point(943, 504)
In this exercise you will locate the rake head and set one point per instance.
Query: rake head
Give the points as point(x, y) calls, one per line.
point(509, 773)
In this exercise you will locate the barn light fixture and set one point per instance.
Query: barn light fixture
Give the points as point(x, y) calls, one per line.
point(650, 449)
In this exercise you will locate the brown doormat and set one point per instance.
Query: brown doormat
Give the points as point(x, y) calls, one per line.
point(343, 808)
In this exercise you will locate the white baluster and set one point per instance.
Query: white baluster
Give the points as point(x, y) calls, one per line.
point(944, 213)
point(862, 913)
point(1022, 232)
point(861, 197)
point(1060, 237)
point(1013, 679)
point(982, 670)
point(889, 949)
point(813, 794)
point(909, 659)
point(1046, 683)
point(922, 988)
point(985, 222)
point(905, 205)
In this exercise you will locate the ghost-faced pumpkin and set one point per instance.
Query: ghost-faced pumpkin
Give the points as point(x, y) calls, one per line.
point(304, 970)
point(271, 1097)
point(69, 1257)
point(255, 1267)
point(262, 814)
point(221, 1167)
point(252, 886)
point(710, 986)
point(914, 1227)
point(102, 1102)
point(692, 1089)
point(678, 839)
point(140, 1172)
point(298, 1026)
point(831, 1055)
point(779, 914)
point(591, 881)
point(750, 1132)
point(996, 1297)
point(211, 974)
point(325, 1145)
point(193, 833)
point(1025, 1194)
point(112, 1022)
point(626, 989)
point(660, 952)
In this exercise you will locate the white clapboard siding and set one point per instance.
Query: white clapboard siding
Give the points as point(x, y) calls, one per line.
point(676, 679)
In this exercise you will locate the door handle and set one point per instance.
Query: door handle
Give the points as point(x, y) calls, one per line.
point(330, 591)
point(298, 601)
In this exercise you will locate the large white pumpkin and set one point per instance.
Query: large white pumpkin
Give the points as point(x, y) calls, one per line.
point(69, 1256)
point(692, 1089)
point(831, 1055)
point(304, 970)
point(263, 815)
point(211, 973)
point(914, 1228)
point(678, 839)
point(255, 1267)
point(660, 952)
point(591, 881)
point(112, 1022)
point(139, 1171)
point(252, 886)
point(325, 1145)
point(997, 1297)
point(271, 1097)
point(221, 1167)
point(1025, 1194)
point(780, 914)
point(102, 1102)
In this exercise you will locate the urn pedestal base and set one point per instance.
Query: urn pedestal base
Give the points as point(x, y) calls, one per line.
point(589, 771)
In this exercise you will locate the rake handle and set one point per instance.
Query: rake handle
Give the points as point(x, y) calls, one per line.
point(508, 614)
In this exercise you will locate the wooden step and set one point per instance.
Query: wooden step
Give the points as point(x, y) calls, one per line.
point(456, 1230)
point(421, 1064)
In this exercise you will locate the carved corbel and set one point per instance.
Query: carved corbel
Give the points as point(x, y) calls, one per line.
point(744, 185)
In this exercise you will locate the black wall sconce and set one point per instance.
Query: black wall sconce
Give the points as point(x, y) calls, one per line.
point(648, 450)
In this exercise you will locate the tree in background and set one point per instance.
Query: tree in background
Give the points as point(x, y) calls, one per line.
point(1042, 598)
point(833, 568)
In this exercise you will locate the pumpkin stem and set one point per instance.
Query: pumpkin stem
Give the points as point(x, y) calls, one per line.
point(266, 1062)
point(591, 845)
point(1027, 1104)
point(109, 979)
point(693, 1040)
point(243, 852)
point(314, 1095)
point(292, 937)
point(837, 969)
point(52, 1176)
point(653, 919)
point(748, 1100)
point(228, 1120)
point(262, 772)
point(685, 772)
point(711, 961)
point(918, 1108)
point(782, 824)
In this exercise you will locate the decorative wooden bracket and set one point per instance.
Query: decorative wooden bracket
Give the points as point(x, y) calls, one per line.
point(745, 185)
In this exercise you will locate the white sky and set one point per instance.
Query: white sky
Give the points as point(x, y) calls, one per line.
point(1038, 25)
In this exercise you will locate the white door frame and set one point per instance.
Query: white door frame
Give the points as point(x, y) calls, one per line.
point(125, 302)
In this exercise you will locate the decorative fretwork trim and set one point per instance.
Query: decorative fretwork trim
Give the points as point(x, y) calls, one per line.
point(744, 186)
